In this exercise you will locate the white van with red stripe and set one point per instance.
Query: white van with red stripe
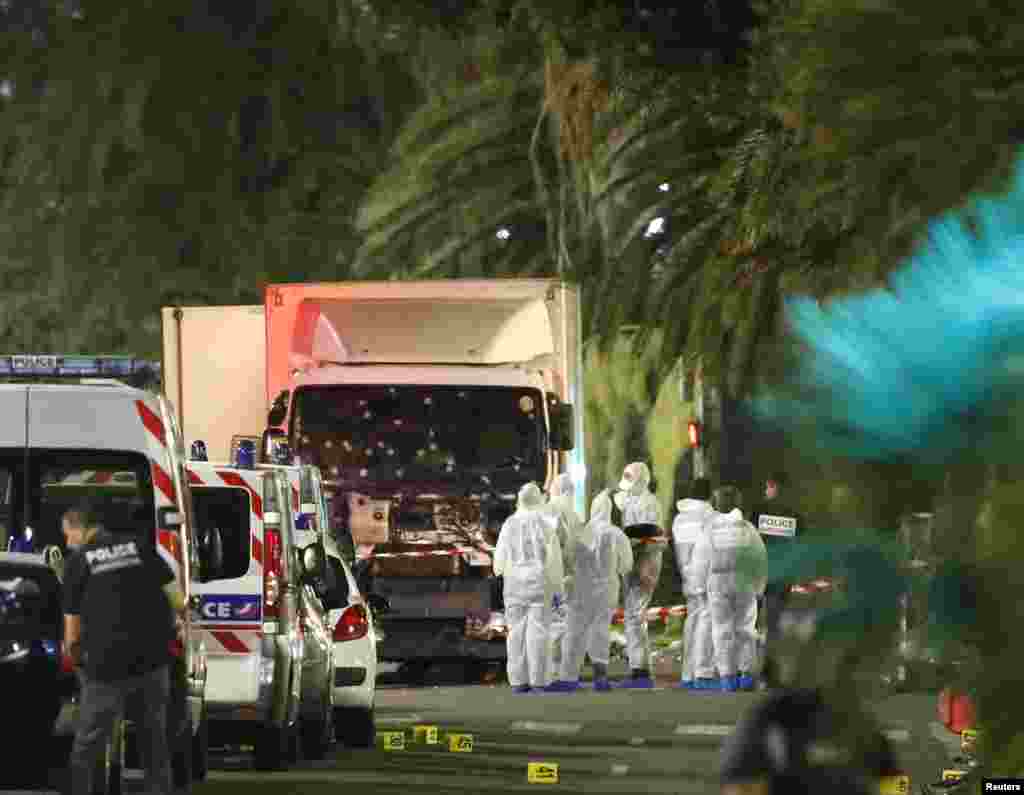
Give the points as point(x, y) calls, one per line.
point(267, 647)
point(350, 620)
point(120, 448)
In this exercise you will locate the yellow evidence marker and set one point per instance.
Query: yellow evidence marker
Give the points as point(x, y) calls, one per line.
point(541, 773)
point(894, 785)
point(392, 741)
point(953, 775)
point(425, 734)
point(460, 743)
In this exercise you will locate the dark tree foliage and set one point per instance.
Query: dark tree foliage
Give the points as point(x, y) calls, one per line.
point(186, 151)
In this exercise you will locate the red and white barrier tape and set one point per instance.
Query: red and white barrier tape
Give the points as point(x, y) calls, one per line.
point(653, 613)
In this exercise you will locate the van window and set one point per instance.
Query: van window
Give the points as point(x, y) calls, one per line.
point(226, 510)
point(36, 492)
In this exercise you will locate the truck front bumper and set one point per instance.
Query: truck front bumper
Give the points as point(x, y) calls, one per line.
point(419, 639)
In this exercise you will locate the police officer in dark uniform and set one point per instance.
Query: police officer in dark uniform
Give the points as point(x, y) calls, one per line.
point(779, 524)
point(120, 600)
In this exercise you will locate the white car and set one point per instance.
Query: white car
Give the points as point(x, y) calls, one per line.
point(349, 615)
point(355, 654)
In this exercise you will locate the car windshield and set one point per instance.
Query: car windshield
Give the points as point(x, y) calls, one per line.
point(425, 434)
point(39, 487)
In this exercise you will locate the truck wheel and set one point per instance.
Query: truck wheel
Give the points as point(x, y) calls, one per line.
point(201, 749)
point(355, 727)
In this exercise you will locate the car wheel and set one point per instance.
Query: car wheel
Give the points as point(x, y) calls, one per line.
point(201, 749)
point(355, 727)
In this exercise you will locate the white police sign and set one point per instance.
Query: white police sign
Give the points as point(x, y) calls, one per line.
point(777, 525)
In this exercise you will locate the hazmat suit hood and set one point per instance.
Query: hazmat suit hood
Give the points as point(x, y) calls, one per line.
point(563, 487)
point(691, 504)
point(635, 479)
point(530, 498)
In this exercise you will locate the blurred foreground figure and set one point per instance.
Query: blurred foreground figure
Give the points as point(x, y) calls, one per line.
point(641, 521)
point(930, 370)
point(530, 560)
point(796, 742)
point(603, 558)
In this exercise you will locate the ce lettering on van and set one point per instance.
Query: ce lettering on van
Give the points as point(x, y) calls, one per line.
point(231, 608)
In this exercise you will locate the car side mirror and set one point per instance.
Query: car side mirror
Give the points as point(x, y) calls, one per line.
point(378, 604)
point(560, 436)
point(279, 409)
point(312, 561)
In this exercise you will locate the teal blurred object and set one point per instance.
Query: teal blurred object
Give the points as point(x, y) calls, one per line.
point(870, 567)
point(927, 368)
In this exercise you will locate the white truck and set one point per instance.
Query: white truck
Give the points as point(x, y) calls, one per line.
point(426, 405)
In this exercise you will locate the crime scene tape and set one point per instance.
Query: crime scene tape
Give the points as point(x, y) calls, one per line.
point(653, 613)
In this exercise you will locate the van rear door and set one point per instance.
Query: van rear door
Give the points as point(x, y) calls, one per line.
point(231, 599)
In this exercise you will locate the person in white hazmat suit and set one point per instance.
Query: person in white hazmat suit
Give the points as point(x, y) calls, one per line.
point(731, 562)
point(568, 529)
point(603, 558)
point(529, 558)
point(642, 523)
point(691, 523)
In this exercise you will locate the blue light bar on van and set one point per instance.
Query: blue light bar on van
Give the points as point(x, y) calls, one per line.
point(75, 366)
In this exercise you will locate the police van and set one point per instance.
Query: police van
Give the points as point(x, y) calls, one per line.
point(349, 613)
point(94, 437)
point(268, 647)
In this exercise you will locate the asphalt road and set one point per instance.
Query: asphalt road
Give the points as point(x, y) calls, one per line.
point(659, 741)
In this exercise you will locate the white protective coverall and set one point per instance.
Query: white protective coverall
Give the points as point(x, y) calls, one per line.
point(690, 524)
point(570, 526)
point(640, 506)
point(529, 558)
point(603, 558)
point(731, 543)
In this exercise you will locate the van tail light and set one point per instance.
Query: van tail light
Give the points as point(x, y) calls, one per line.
point(271, 574)
point(353, 624)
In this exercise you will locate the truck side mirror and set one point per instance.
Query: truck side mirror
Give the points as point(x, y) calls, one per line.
point(279, 410)
point(560, 437)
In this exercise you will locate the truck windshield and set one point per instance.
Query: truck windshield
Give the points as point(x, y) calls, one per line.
point(118, 485)
point(436, 434)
